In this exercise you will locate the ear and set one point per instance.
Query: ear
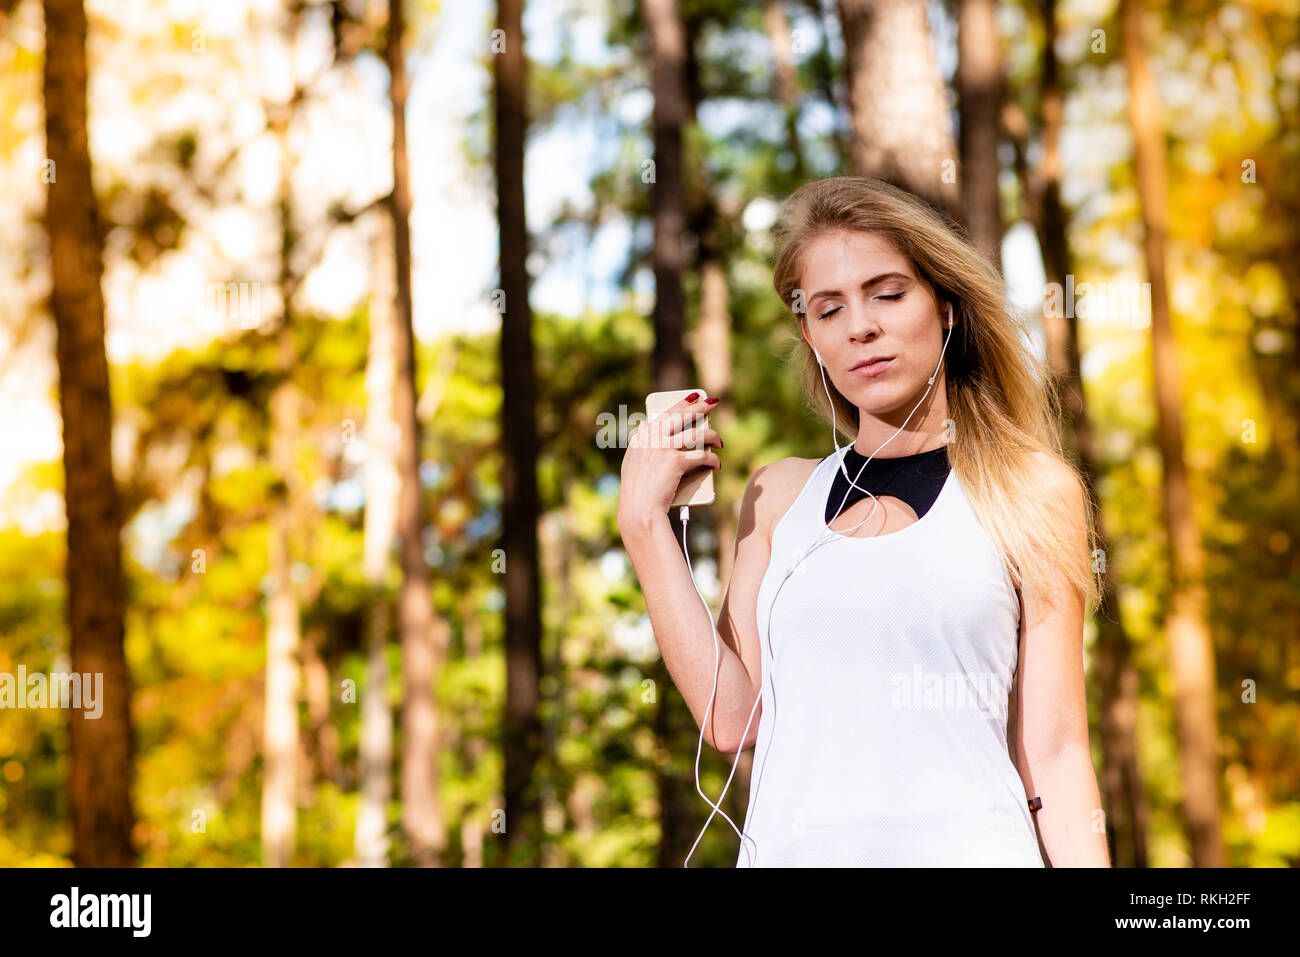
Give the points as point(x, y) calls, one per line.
point(941, 301)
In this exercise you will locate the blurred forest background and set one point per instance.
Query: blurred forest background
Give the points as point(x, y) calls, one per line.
point(316, 384)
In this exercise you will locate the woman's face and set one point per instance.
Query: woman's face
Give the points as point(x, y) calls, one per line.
point(864, 300)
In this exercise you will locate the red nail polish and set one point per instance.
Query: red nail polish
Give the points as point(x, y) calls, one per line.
point(692, 397)
point(711, 400)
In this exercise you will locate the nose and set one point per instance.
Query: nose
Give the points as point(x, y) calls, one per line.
point(862, 325)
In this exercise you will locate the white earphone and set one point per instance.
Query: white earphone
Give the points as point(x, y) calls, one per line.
point(825, 537)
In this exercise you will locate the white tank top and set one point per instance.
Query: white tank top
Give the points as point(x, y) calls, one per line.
point(882, 741)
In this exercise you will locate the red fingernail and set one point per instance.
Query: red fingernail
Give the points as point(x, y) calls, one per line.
point(711, 400)
point(692, 397)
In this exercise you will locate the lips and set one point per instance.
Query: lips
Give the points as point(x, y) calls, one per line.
point(872, 367)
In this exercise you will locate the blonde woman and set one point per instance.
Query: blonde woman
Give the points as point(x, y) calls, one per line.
point(895, 607)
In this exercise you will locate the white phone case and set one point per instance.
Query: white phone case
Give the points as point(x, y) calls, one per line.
point(696, 487)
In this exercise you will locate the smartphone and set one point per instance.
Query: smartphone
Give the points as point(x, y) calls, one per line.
point(696, 487)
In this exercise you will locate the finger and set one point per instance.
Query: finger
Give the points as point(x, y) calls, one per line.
point(688, 409)
point(674, 422)
point(701, 458)
point(667, 426)
point(697, 438)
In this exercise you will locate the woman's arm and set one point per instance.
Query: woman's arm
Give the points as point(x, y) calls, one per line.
point(684, 628)
point(1052, 751)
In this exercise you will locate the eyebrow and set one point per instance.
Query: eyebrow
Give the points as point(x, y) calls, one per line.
point(866, 285)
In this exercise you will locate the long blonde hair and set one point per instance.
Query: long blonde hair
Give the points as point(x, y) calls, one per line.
point(1003, 401)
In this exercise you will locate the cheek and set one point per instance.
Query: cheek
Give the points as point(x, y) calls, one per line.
point(922, 341)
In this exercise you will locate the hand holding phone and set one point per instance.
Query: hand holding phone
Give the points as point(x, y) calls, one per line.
point(670, 458)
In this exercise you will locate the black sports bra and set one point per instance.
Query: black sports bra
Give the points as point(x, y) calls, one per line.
point(916, 479)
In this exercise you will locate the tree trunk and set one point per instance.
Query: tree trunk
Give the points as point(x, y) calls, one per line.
point(901, 127)
point(101, 749)
point(711, 342)
point(787, 84)
point(322, 737)
point(979, 97)
point(668, 54)
point(1191, 652)
point(473, 828)
point(280, 733)
point(668, 193)
point(383, 488)
point(423, 636)
point(1116, 676)
point(559, 557)
point(280, 729)
point(521, 507)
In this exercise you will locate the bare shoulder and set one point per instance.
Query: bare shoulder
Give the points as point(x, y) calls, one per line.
point(775, 486)
point(1072, 504)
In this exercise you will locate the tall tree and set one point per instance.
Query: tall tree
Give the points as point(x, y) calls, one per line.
point(777, 25)
point(475, 744)
point(423, 634)
point(901, 127)
point(672, 371)
point(710, 343)
point(1115, 672)
point(101, 749)
point(711, 347)
point(979, 98)
point(521, 506)
point(321, 738)
point(668, 193)
point(354, 30)
point(1191, 652)
point(383, 488)
point(283, 624)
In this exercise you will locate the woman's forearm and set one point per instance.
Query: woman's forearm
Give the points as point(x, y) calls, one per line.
point(683, 627)
point(1071, 821)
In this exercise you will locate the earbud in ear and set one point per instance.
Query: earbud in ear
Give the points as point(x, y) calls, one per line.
point(814, 349)
point(949, 315)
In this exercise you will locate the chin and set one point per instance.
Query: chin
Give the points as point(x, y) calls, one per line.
point(882, 392)
point(882, 398)
point(880, 406)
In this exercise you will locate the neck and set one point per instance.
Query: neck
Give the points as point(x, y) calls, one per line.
point(924, 431)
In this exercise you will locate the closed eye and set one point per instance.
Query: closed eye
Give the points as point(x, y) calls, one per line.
point(830, 312)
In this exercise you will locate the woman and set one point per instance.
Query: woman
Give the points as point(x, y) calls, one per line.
point(896, 606)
